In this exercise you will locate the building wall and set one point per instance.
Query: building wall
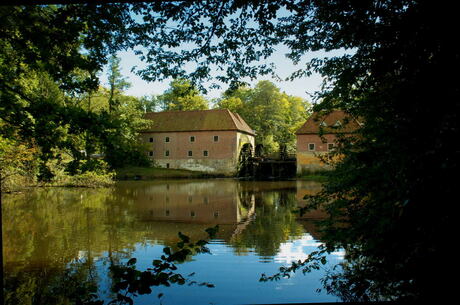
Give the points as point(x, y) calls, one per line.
point(222, 155)
point(308, 160)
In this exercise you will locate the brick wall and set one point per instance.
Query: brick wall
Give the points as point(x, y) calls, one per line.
point(207, 151)
point(303, 141)
point(309, 148)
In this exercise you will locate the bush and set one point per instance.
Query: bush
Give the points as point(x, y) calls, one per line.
point(18, 164)
point(86, 173)
point(90, 179)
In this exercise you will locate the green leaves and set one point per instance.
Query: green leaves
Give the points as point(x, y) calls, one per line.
point(182, 95)
point(313, 262)
point(128, 279)
point(275, 116)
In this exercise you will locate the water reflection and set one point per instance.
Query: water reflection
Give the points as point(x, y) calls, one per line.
point(193, 203)
point(59, 242)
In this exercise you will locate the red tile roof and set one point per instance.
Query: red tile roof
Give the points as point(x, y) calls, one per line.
point(197, 120)
point(328, 121)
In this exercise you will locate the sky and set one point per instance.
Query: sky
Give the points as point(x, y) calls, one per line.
point(303, 87)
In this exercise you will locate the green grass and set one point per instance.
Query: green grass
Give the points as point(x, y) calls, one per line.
point(149, 173)
point(313, 177)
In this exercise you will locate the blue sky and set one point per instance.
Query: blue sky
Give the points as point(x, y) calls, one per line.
point(302, 87)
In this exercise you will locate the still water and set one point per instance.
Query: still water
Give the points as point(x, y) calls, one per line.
point(60, 242)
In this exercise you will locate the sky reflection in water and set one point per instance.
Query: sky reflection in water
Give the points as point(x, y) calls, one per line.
point(48, 229)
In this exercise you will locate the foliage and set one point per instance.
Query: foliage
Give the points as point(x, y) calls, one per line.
point(389, 195)
point(73, 286)
point(381, 196)
point(117, 83)
point(182, 95)
point(274, 115)
point(89, 179)
point(148, 103)
point(18, 164)
point(102, 225)
point(49, 88)
point(274, 211)
point(131, 281)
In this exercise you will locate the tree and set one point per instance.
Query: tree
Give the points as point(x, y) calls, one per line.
point(381, 195)
point(393, 174)
point(149, 103)
point(274, 115)
point(49, 65)
point(182, 95)
point(117, 83)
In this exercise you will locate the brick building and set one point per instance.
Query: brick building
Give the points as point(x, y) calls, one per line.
point(200, 140)
point(310, 145)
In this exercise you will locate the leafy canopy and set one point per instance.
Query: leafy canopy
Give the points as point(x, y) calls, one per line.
point(389, 195)
point(182, 95)
point(274, 115)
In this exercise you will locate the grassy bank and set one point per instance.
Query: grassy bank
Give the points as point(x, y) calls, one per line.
point(87, 179)
point(319, 177)
point(149, 173)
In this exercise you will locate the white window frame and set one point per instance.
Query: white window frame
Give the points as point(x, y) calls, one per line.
point(190, 153)
point(214, 138)
point(314, 147)
point(205, 153)
point(192, 137)
point(167, 140)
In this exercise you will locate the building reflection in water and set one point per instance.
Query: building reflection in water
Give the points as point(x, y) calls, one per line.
point(194, 203)
point(48, 231)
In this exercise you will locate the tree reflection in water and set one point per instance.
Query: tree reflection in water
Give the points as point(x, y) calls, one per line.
point(60, 243)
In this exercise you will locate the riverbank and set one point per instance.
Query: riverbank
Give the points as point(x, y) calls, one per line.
point(150, 173)
point(313, 177)
point(91, 179)
point(87, 179)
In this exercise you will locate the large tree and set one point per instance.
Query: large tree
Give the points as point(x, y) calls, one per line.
point(274, 115)
point(182, 95)
point(389, 197)
point(49, 89)
point(117, 83)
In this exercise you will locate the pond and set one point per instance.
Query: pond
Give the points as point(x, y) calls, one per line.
point(60, 242)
